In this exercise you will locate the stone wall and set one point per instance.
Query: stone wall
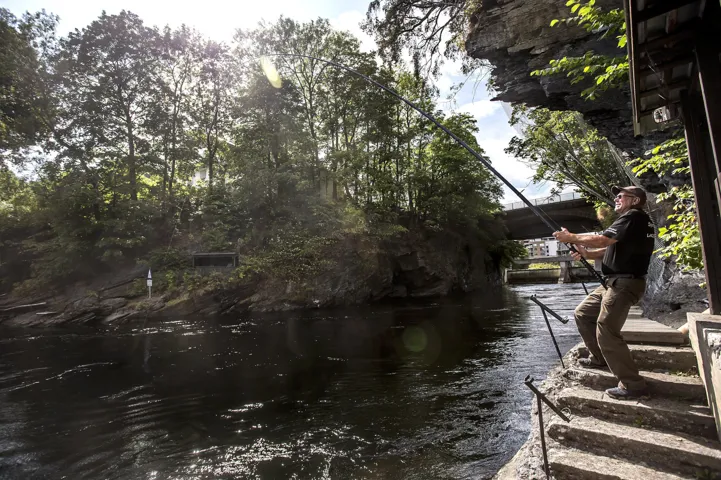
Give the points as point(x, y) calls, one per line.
point(705, 335)
point(515, 36)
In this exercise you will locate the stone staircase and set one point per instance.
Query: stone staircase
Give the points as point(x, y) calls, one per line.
point(670, 435)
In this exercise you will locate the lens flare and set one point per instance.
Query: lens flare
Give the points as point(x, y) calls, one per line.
point(415, 339)
point(270, 72)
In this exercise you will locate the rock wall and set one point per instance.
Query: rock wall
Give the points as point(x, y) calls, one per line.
point(416, 264)
point(515, 36)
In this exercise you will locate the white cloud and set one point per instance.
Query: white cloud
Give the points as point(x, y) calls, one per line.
point(480, 109)
point(350, 21)
point(449, 74)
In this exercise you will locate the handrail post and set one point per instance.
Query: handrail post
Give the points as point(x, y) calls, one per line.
point(543, 306)
point(545, 309)
point(540, 400)
point(553, 337)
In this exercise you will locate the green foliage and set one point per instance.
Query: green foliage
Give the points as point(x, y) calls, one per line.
point(431, 31)
point(168, 259)
point(682, 237)
point(681, 234)
point(605, 71)
point(22, 95)
point(564, 150)
point(668, 158)
point(542, 266)
point(158, 143)
point(605, 214)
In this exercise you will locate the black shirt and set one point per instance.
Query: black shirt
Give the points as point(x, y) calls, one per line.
point(631, 254)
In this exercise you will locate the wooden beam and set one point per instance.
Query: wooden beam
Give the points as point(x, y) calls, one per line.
point(703, 175)
point(633, 74)
point(678, 84)
point(646, 64)
point(709, 76)
point(660, 8)
point(649, 111)
point(688, 32)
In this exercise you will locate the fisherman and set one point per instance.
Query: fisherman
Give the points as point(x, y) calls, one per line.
point(625, 247)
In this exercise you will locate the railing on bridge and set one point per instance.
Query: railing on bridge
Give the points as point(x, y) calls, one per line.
point(563, 197)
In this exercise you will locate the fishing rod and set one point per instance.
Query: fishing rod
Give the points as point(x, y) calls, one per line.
point(550, 223)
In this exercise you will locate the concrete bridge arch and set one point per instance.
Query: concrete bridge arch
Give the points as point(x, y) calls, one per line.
point(568, 210)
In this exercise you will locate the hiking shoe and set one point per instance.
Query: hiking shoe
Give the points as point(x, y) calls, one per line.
point(619, 393)
point(588, 363)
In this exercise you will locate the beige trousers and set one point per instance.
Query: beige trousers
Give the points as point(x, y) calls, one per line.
point(600, 318)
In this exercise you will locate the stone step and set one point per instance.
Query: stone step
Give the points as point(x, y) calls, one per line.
point(677, 453)
point(660, 357)
point(656, 413)
point(659, 384)
point(569, 464)
point(643, 330)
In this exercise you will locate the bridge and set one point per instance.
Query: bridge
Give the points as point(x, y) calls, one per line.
point(569, 210)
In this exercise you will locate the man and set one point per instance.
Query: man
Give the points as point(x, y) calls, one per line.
point(626, 248)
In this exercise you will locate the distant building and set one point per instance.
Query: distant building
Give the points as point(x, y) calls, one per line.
point(546, 247)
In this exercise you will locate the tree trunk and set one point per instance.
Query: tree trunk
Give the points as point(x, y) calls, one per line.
point(131, 157)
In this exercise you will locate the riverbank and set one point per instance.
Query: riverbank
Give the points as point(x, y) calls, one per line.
point(353, 269)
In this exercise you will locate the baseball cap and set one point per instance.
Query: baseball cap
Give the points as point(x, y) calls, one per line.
point(637, 192)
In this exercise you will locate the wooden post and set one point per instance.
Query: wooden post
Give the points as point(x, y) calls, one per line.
point(703, 173)
point(709, 75)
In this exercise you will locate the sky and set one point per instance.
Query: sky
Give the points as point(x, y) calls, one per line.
point(218, 19)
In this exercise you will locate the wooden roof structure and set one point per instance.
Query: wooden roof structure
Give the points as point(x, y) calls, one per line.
point(674, 49)
point(662, 37)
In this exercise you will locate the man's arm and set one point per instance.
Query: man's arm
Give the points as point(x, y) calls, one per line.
point(584, 239)
point(583, 252)
point(595, 254)
point(592, 241)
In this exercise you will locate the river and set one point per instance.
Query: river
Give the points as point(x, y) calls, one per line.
point(409, 390)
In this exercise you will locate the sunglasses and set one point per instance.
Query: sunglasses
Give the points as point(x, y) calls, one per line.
point(621, 195)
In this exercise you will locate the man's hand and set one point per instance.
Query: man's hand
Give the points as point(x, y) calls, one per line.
point(563, 236)
point(580, 253)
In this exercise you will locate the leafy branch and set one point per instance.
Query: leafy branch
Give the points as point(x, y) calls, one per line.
point(606, 71)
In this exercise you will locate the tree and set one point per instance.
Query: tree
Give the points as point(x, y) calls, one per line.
point(24, 43)
point(564, 150)
point(109, 89)
point(458, 188)
point(210, 110)
point(171, 116)
point(125, 118)
point(430, 30)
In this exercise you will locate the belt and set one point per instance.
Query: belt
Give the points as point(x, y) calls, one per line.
point(624, 275)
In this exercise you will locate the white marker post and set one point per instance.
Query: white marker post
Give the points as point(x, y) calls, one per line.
point(150, 284)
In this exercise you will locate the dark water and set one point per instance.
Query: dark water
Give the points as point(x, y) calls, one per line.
point(413, 390)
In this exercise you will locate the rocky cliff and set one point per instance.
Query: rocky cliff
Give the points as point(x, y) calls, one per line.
point(416, 264)
point(515, 36)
